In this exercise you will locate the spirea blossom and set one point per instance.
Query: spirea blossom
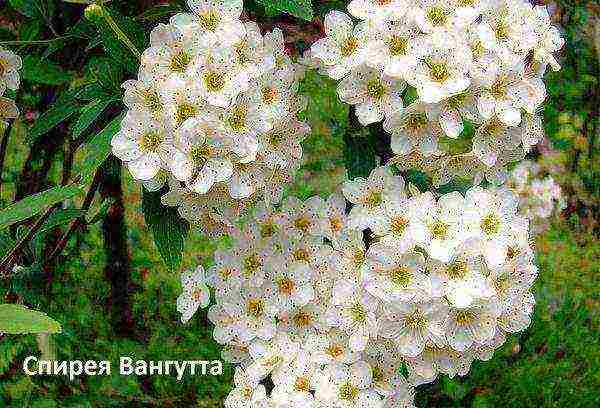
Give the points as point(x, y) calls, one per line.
point(212, 114)
point(10, 64)
point(539, 197)
point(329, 305)
point(472, 64)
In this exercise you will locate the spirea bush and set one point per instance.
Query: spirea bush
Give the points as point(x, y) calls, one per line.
point(353, 300)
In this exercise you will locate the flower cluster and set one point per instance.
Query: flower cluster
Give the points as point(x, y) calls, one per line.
point(539, 197)
point(10, 64)
point(471, 64)
point(330, 305)
point(213, 112)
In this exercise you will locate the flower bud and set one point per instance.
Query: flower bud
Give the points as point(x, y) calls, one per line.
point(94, 12)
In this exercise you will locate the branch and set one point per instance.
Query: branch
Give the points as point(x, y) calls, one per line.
point(3, 148)
point(87, 202)
point(8, 260)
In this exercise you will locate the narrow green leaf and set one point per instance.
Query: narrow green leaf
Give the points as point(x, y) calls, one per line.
point(97, 150)
point(89, 114)
point(34, 204)
point(60, 111)
point(43, 9)
point(169, 230)
point(60, 217)
point(297, 8)
point(99, 213)
point(18, 319)
point(40, 71)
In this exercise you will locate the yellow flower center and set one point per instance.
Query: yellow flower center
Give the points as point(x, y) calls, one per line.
point(458, 269)
point(439, 230)
point(180, 61)
point(335, 351)
point(302, 319)
point(439, 71)
point(301, 254)
point(401, 276)
point(185, 111)
point(269, 95)
point(336, 224)
point(398, 45)
point(237, 119)
point(302, 224)
point(374, 198)
point(417, 121)
point(197, 294)
point(457, 101)
point(201, 154)
point(437, 16)
point(286, 286)
point(209, 20)
point(376, 89)
point(349, 46)
point(398, 225)
point(151, 141)
point(214, 81)
point(252, 263)
point(464, 317)
point(348, 392)
point(416, 320)
point(302, 384)
point(268, 229)
point(490, 224)
point(256, 307)
point(152, 101)
point(358, 313)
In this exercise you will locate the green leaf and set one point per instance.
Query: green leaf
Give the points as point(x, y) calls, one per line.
point(114, 47)
point(40, 71)
point(97, 150)
point(168, 228)
point(18, 319)
point(43, 9)
point(100, 212)
point(34, 204)
point(89, 114)
point(297, 8)
point(61, 110)
point(60, 217)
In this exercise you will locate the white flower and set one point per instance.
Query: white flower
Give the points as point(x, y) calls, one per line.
point(255, 311)
point(549, 39)
point(354, 311)
point(217, 77)
point(10, 64)
point(374, 95)
point(332, 348)
point(252, 57)
point(344, 48)
point(441, 224)
point(491, 216)
point(291, 286)
point(414, 128)
point(442, 71)
point(247, 391)
point(349, 387)
point(143, 144)
point(474, 324)
point(218, 21)
point(370, 195)
point(393, 276)
point(378, 11)
point(456, 108)
point(201, 158)
point(413, 325)
point(294, 383)
point(396, 48)
point(195, 293)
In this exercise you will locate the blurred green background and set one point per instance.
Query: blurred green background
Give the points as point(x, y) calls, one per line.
point(555, 363)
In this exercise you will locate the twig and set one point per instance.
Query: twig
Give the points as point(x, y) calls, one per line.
point(87, 202)
point(9, 259)
point(3, 148)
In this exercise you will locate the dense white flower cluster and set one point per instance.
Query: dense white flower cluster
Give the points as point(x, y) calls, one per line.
point(539, 197)
point(213, 112)
point(10, 64)
point(479, 62)
point(330, 305)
